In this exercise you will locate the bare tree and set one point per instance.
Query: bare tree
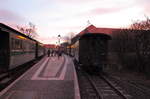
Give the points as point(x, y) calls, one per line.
point(141, 25)
point(68, 39)
point(30, 30)
point(132, 45)
point(122, 44)
point(142, 42)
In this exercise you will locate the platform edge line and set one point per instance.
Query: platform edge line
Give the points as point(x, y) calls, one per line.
point(77, 90)
point(9, 86)
point(35, 75)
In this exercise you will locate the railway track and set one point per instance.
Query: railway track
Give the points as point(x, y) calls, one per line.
point(141, 90)
point(99, 87)
point(140, 87)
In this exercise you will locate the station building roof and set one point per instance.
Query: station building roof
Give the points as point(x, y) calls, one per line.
point(93, 29)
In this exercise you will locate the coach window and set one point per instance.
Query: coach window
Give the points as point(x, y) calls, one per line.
point(17, 44)
point(12, 43)
point(20, 44)
point(33, 47)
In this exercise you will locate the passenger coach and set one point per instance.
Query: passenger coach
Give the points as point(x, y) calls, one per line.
point(90, 50)
point(16, 48)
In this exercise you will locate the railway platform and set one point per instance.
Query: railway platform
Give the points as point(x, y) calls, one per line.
point(50, 78)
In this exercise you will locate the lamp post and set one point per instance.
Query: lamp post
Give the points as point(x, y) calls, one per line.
point(59, 39)
point(59, 36)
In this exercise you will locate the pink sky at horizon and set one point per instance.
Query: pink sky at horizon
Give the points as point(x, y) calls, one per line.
point(54, 17)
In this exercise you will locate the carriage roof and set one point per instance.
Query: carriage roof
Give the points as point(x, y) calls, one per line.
point(99, 35)
point(6, 28)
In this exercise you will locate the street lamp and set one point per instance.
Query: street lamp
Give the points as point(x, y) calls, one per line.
point(59, 39)
point(59, 42)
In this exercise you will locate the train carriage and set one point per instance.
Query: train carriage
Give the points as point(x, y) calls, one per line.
point(93, 51)
point(17, 48)
point(41, 50)
point(22, 50)
point(4, 50)
point(90, 50)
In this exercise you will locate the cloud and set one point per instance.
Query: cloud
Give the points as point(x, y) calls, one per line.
point(75, 1)
point(7, 16)
point(104, 10)
point(145, 5)
point(4, 1)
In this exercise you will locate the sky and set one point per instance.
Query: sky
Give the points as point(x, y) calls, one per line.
point(67, 17)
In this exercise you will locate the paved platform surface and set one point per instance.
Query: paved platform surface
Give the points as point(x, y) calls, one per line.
point(51, 78)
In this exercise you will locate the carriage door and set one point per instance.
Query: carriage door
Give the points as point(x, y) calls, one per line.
point(4, 50)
